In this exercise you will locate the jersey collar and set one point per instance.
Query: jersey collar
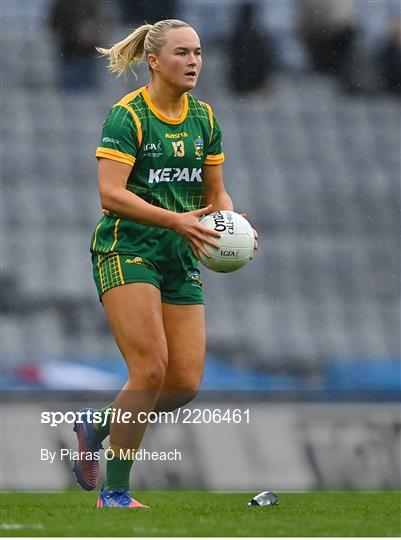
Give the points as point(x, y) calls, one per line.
point(162, 116)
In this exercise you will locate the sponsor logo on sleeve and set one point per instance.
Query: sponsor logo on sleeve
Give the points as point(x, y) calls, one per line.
point(109, 140)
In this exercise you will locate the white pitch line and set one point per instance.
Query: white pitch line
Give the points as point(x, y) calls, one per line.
point(16, 526)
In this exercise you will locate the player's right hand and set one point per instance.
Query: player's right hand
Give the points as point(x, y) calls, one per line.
point(187, 225)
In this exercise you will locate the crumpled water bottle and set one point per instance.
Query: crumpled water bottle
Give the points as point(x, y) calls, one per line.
point(266, 498)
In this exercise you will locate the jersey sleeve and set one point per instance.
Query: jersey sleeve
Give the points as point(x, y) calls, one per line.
point(119, 140)
point(215, 154)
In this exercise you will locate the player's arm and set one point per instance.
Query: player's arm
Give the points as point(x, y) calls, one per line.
point(112, 179)
point(215, 192)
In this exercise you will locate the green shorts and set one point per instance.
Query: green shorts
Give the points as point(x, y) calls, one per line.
point(165, 260)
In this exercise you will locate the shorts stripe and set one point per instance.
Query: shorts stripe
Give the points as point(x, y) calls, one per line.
point(94, 240)
point(115, 234)
point(110, 272)
point(120, 270)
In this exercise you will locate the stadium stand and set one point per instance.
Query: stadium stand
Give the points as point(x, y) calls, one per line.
point(317, 172)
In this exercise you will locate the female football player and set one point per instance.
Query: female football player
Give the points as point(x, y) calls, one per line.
point(159, 169)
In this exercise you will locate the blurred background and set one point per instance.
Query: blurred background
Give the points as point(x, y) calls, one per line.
point(308, 96)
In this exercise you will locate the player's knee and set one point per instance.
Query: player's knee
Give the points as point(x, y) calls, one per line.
point(154, 374)
point(148, 370)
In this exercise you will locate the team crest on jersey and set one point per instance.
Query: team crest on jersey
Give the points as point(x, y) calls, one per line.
point(198, 147)
point(193, 276)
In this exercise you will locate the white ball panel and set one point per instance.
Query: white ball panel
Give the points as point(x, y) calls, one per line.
point(236, 241)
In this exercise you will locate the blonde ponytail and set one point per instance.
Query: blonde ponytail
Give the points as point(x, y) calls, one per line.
point(127, 52)
point(148, 38)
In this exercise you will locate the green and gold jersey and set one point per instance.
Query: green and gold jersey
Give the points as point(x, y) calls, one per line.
point(166, 156)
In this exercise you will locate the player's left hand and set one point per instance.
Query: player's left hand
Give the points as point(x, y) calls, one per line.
point(256, 237)
point(255, 233)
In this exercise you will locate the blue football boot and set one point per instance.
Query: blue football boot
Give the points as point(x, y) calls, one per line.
point(117, 498)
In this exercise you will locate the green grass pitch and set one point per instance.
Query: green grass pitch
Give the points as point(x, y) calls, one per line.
point(194, 513)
